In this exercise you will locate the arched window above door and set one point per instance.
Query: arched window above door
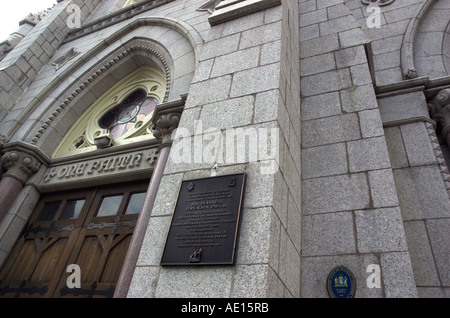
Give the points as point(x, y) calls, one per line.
point(120, 116)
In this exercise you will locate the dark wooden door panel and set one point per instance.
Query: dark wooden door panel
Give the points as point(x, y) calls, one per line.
point(90, 228)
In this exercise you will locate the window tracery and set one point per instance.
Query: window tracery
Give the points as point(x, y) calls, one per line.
point(122, 114)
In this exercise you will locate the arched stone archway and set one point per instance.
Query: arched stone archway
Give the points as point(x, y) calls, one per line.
point(426, 42)
point(55, 108)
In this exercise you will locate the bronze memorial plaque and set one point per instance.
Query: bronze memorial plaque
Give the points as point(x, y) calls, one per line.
point(205, 223)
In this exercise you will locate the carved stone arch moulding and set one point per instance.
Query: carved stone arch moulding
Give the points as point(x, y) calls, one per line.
point(124, 53)
point(45, 118)
point(407, 49)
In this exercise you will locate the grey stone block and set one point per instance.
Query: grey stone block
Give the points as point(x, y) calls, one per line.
point(371, 125)
point(335, 193)
point(209, 281)
point(439, 233)
point(266, 106)
point(255, 236)
point(220, 46)
point(309, 32)
point(328, 234)
point(256, 80)
point(380, 230)
point(261, 35)
point(222, 115)
point(289, 268)
point(361, 74)
point(270, 53)
point(421, 193)
point(398, 277)
point(417, 144)
point(352, 37)
point(167, 195)
point(144, 282)
point(235, 62)
point(340, 24)
point(243, 23)
point(313, 17)
point(422, 259)
point(325, 82)
point(154, 241)
point(323, 105)
point(317, 64)
point(397, 152)
point(382, 188)
point(203, 71)
point(368, 154)
point(330, 130)
point(250, 281)
point(320, 45)
point(350, 56)
point(209, 91)
point(324, 161)
point(358, 98)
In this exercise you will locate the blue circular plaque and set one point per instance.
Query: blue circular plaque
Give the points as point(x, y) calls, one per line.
point(341, 283)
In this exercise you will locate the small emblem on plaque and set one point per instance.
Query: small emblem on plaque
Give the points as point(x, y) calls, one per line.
point(196, 256)
point(341, 283)
point(232, 182)
point(190, 187)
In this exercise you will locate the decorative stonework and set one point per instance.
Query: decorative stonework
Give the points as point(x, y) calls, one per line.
point(439, 109)
point(209, 6)
point(20, 165)
point(164, 127)
point(439, 155)
point(380, 3)
point(165, 120)
point(62, 60)
point(106, 168)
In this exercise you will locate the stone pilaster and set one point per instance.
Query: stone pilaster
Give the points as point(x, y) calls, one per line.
point(20, 163)
point(166, 118)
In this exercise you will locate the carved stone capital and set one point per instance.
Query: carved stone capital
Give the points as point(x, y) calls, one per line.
point(439, 109)
point(20, 165)
point(166, 118)
point(164, 126)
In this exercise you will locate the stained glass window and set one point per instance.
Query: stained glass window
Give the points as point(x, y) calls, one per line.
point(127, 114)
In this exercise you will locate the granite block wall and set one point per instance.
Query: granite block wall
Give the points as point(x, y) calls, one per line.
point(351, 214)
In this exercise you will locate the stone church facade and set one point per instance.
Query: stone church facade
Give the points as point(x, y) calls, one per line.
point(337, 112)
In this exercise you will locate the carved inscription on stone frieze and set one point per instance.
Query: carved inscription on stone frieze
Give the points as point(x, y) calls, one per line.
point(110, 165)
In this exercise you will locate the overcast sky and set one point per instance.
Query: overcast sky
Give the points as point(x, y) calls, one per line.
point(12, 11)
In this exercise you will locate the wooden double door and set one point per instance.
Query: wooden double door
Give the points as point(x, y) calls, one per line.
point(90, 228)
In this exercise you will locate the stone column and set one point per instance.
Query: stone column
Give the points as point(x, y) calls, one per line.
point(20, 166)
point(439, 109)
point(165, 118)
